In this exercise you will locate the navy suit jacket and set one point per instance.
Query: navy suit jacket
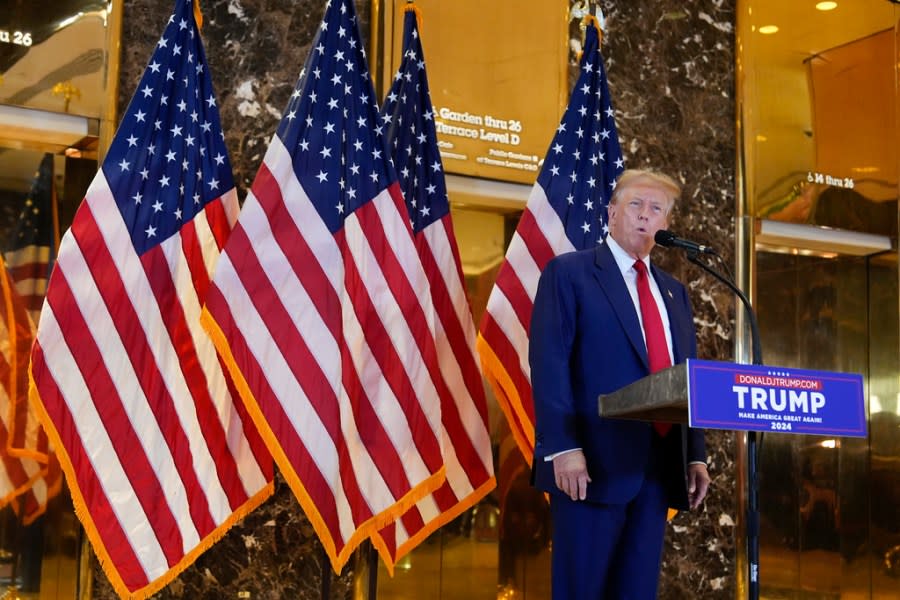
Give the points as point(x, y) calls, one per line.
point(585, 340)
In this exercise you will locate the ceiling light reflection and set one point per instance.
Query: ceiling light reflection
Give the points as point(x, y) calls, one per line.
point(69, 20)
point(828, 5)
point(768, 29)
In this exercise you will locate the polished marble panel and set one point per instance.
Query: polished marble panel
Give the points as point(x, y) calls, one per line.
point(671, 75)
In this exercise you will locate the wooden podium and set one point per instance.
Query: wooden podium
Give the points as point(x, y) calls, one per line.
point(662, 396)
point(738, 397)
point(752, 398)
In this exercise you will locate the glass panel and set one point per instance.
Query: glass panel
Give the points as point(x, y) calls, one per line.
point(829, 514)
point(818, 93)
point(813, 313)
point(492, 120)
point(39, 534)
point(820, 116)
point(54, 72)
point(53, 55)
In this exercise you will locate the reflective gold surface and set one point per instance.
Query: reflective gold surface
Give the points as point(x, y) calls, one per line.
point(59, 43)
point(57, 94)
point(829, 505)
point(109, 116)
point(813, 490)
point(884, 424)
point(818, 100)
point(818, 116)
point(41, 558)
point(45, 553)
point(497, 74)
point(499, 549)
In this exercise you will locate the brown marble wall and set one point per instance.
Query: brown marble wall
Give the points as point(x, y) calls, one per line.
point(671, 74)
point(671, 71)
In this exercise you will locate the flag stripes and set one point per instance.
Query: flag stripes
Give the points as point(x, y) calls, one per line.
point(29, 249)
point(24, 437)
point(28, 268)
point(344, 351)
point(160, 457)
point(29, 473)
point(539, 237)
point(329, 232)
point(129, 397)
point(409, 118)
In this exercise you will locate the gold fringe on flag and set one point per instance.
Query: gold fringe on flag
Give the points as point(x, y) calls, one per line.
point(198, 16)
point(411, 7)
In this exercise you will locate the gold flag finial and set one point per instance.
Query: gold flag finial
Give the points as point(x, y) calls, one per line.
point(599, 22)
point(585, 14)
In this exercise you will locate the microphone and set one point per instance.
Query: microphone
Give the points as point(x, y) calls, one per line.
point(668, 239)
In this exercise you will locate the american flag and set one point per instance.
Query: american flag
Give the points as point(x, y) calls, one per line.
point(24, 447)
point(407, 113)
point(566, 211)
point(321, 306)
point(159, 455)
point(30, 246)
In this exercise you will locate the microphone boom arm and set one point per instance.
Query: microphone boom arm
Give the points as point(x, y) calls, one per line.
point(753, 444)
point(751, 315)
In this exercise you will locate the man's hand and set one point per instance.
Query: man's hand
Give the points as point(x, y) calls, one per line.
point(570, 473)
point(697, 484)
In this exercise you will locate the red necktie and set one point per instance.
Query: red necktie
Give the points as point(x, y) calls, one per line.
point(657, 349)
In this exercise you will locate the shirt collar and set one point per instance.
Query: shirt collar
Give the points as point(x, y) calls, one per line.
point(624, 261)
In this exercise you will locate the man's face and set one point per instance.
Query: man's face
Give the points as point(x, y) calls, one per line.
point(641, 210)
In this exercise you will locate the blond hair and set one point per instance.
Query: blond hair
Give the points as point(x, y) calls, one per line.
point(631, 177)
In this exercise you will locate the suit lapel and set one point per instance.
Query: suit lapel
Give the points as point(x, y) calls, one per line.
point(610, 279)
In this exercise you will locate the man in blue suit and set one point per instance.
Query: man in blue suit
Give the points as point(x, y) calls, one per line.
point(600, 323)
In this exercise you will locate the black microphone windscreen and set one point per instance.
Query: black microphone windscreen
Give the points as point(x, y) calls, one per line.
point(664, 237)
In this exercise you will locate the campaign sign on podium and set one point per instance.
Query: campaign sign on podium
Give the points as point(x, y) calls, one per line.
point(725, 395)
